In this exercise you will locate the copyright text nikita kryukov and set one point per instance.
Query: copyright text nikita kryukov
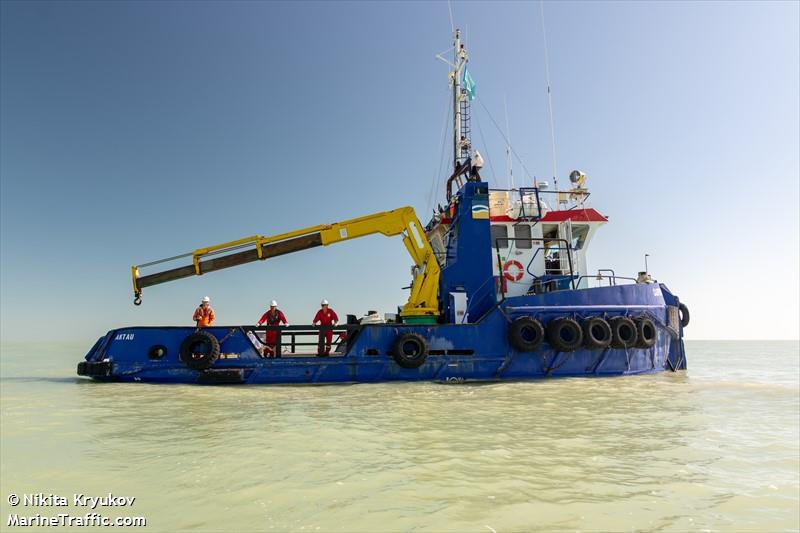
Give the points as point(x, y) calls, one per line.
point(75, 510)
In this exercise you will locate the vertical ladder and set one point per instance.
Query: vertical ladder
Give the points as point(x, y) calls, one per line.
point(466, 132)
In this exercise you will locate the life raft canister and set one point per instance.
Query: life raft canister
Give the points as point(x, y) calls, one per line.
point(513, 275)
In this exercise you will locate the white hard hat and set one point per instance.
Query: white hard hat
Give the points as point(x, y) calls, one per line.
point(206, 299)
point(273, 303)
point(323, 302)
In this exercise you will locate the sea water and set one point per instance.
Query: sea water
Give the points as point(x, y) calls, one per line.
point(714, 448)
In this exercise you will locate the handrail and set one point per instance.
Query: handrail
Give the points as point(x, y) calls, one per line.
point(457, 173)
point(351, 330)
point(600, 276)
point(527, 268)
point(610, 278)
point(523, 191)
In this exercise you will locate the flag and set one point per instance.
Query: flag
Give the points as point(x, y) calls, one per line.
point(469, 84)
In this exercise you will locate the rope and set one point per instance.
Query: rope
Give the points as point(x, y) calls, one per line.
point(488, 158)
point(551, 369)
point(598, 361)
point(228, 336)
point(506, 139)
point(437, 177)
point(504, 365)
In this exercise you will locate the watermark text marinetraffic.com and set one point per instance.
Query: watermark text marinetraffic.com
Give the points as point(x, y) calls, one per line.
point(76, 510)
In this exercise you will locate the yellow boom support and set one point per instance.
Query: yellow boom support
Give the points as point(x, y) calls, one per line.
point(423, 300)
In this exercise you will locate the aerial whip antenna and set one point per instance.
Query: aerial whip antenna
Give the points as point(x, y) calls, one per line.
point(450, 9)
point(549, 98)
point(508, 146)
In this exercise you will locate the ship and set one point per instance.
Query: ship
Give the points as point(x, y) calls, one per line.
point(500, 290)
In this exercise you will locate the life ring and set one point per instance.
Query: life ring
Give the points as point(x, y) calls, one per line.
point(525, 334)
point(624, 332)
point(507, 270)
point(596, 333)
point(199, 350)
point(410, 350)
point(684, 312)
point(646, 332)
point(564, 334)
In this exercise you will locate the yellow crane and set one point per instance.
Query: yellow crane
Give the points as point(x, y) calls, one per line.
point(422, 302)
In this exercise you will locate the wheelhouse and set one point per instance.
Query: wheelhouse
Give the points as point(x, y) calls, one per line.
point(536, 249)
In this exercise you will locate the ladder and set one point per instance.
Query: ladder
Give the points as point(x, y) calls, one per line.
point(466, 132)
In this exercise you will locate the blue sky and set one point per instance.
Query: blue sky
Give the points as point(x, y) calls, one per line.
point(135, 131)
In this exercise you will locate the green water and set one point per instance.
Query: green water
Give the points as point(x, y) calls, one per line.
point(715, 448)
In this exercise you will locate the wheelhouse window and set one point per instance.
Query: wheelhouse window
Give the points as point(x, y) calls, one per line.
point(579, 233)
point(499, 236)
point(522, 232)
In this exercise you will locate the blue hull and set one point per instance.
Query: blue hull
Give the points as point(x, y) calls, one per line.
point(478, 351)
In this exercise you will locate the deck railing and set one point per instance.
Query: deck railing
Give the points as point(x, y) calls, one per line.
point(304, 340)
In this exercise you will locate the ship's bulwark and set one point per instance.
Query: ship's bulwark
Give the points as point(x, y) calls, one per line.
point(478, 351)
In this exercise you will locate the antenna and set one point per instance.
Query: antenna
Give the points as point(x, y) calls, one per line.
point(508, 146)
point(549, 98)
point(450, 9)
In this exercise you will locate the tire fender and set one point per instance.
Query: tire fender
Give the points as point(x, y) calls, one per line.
point(410, 350)
point(199, 350)
point(564, 334)
point(624, 332)
point(646, 332)
point(596, 333)
point(684, 313)
point(525, 334)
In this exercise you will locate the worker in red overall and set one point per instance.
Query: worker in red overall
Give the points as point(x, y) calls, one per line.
point(273, 317)
point(326, 317)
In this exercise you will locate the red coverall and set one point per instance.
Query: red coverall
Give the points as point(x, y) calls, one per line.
point(272, 318)
point(325, 317)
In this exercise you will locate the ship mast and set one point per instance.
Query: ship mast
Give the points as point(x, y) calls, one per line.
point(461, 130)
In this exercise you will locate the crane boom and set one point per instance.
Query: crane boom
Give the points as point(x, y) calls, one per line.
point(423, 300)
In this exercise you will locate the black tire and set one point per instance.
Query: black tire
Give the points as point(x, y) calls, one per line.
point(684, 312)
point(410, 350)
point(199, 350)
point(646, 332)
point(525, 334)
point(623, 330)
point(596, 333)
point(564, 334)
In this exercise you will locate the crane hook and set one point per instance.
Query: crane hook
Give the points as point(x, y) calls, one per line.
point(137, 300)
